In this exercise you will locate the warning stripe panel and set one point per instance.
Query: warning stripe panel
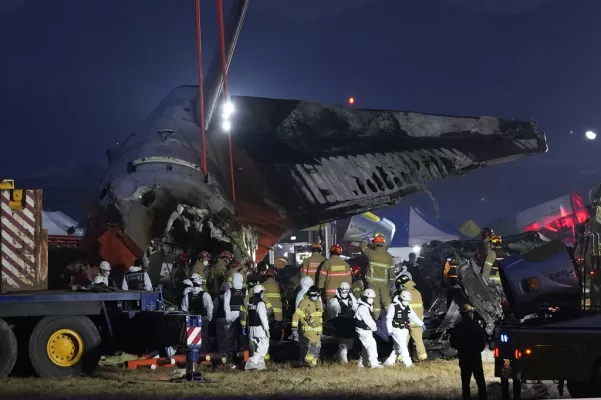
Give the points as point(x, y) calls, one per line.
point(193, 336)
point(19, 232)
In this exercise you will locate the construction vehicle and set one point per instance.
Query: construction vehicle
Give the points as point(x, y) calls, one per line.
point(551, 331)
point(64, 333)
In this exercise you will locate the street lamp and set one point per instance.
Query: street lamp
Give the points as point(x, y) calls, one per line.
point(590, 135)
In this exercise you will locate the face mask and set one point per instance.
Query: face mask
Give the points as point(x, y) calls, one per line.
point(344, 294)
point(313, 298)
point(404, 302)
point(205, 263)
point(370, 301)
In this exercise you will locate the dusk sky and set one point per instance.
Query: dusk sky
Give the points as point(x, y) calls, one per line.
point(77, 76)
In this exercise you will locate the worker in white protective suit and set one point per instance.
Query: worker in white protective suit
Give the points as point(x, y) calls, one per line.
point(198, 302)
point(398, 317)
point(233, 300)
point(104, 271)
point(258, 326)
point(136, 278)
point(306, 283)
point(219, 317)
point(341, 314)
point(365, 328)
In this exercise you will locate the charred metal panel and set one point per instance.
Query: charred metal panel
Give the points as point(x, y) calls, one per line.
point(296, 163)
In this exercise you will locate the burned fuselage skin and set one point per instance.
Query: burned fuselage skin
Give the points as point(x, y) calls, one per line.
point(296, 164)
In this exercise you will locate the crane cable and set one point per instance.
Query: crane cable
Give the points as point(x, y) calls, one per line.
point(201, 106)
point(224, 72)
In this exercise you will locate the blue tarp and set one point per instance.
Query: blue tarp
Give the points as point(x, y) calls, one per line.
point(415, 228)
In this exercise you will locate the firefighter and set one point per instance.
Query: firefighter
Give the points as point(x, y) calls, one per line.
point(399, 316)
point(415, 330)
point(196, 301)
point(233, 300)
point(380, 272)
point(487, 254)
point(258, 330)
point(218, 272)
point(311, 264)
point(136, 278)
point(273, 293)
point(341, 314)
point(253, 272)
point(333, 272)
point(365, 326)
point(469, 339)
point(219, 318)
point(308, 317)
point(201, 264)
point(357, 284)
point(450, 280)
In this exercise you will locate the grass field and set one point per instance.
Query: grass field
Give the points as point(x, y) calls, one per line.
point(431, 379)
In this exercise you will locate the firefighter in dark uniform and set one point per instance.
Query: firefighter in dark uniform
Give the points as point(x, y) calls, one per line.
point(451, 280)
point(469, 339)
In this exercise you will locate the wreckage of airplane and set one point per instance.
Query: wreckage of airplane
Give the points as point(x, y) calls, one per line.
point(296, 164)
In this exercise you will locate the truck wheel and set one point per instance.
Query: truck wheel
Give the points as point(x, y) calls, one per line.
point(64, 346)
point(8, 349)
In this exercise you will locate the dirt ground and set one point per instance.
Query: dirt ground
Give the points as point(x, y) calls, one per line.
point(428, 380)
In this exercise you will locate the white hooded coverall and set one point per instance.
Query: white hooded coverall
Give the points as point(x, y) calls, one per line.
point(306, 283)
point(334, 310)
point(258, 325)
point(190, 301)
point(219, 316)
point(232, 301)
point(366, 326)
point(134, 270)
point(400, 335)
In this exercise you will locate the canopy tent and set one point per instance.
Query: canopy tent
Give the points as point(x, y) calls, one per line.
point(414, 228)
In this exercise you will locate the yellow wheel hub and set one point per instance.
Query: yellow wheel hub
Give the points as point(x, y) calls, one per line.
point(65, 347)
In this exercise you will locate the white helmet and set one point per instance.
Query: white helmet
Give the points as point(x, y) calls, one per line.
point(258, 289)
point(105, 266)
point(187, 282)
point(197, 279)
point(405, 295)
point(344, 289)
point(369, 293)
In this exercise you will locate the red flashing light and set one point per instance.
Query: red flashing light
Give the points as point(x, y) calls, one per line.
point(517, 354)
point(496, 352)
point(351, 100)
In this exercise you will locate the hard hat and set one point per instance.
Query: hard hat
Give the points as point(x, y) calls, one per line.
point(182, 258)
point(271, 272)
point(105, 266)
point(316, 247)
point(467, 308)
point(486, 232)
point(336, 249)
point(203, 255)
point(401, 280)
point(196, 278)
point(235, 264)
point(258, 288)
point(226, 254)
point(313, 291)
point(369, 293)
point(405, 295)
point(378, 240)
point(356, 270)
point(344, 286)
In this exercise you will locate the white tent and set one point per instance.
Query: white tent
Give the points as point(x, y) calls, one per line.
point(59, 223)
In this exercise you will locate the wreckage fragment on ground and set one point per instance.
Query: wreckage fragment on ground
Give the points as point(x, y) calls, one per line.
point(296, 164)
